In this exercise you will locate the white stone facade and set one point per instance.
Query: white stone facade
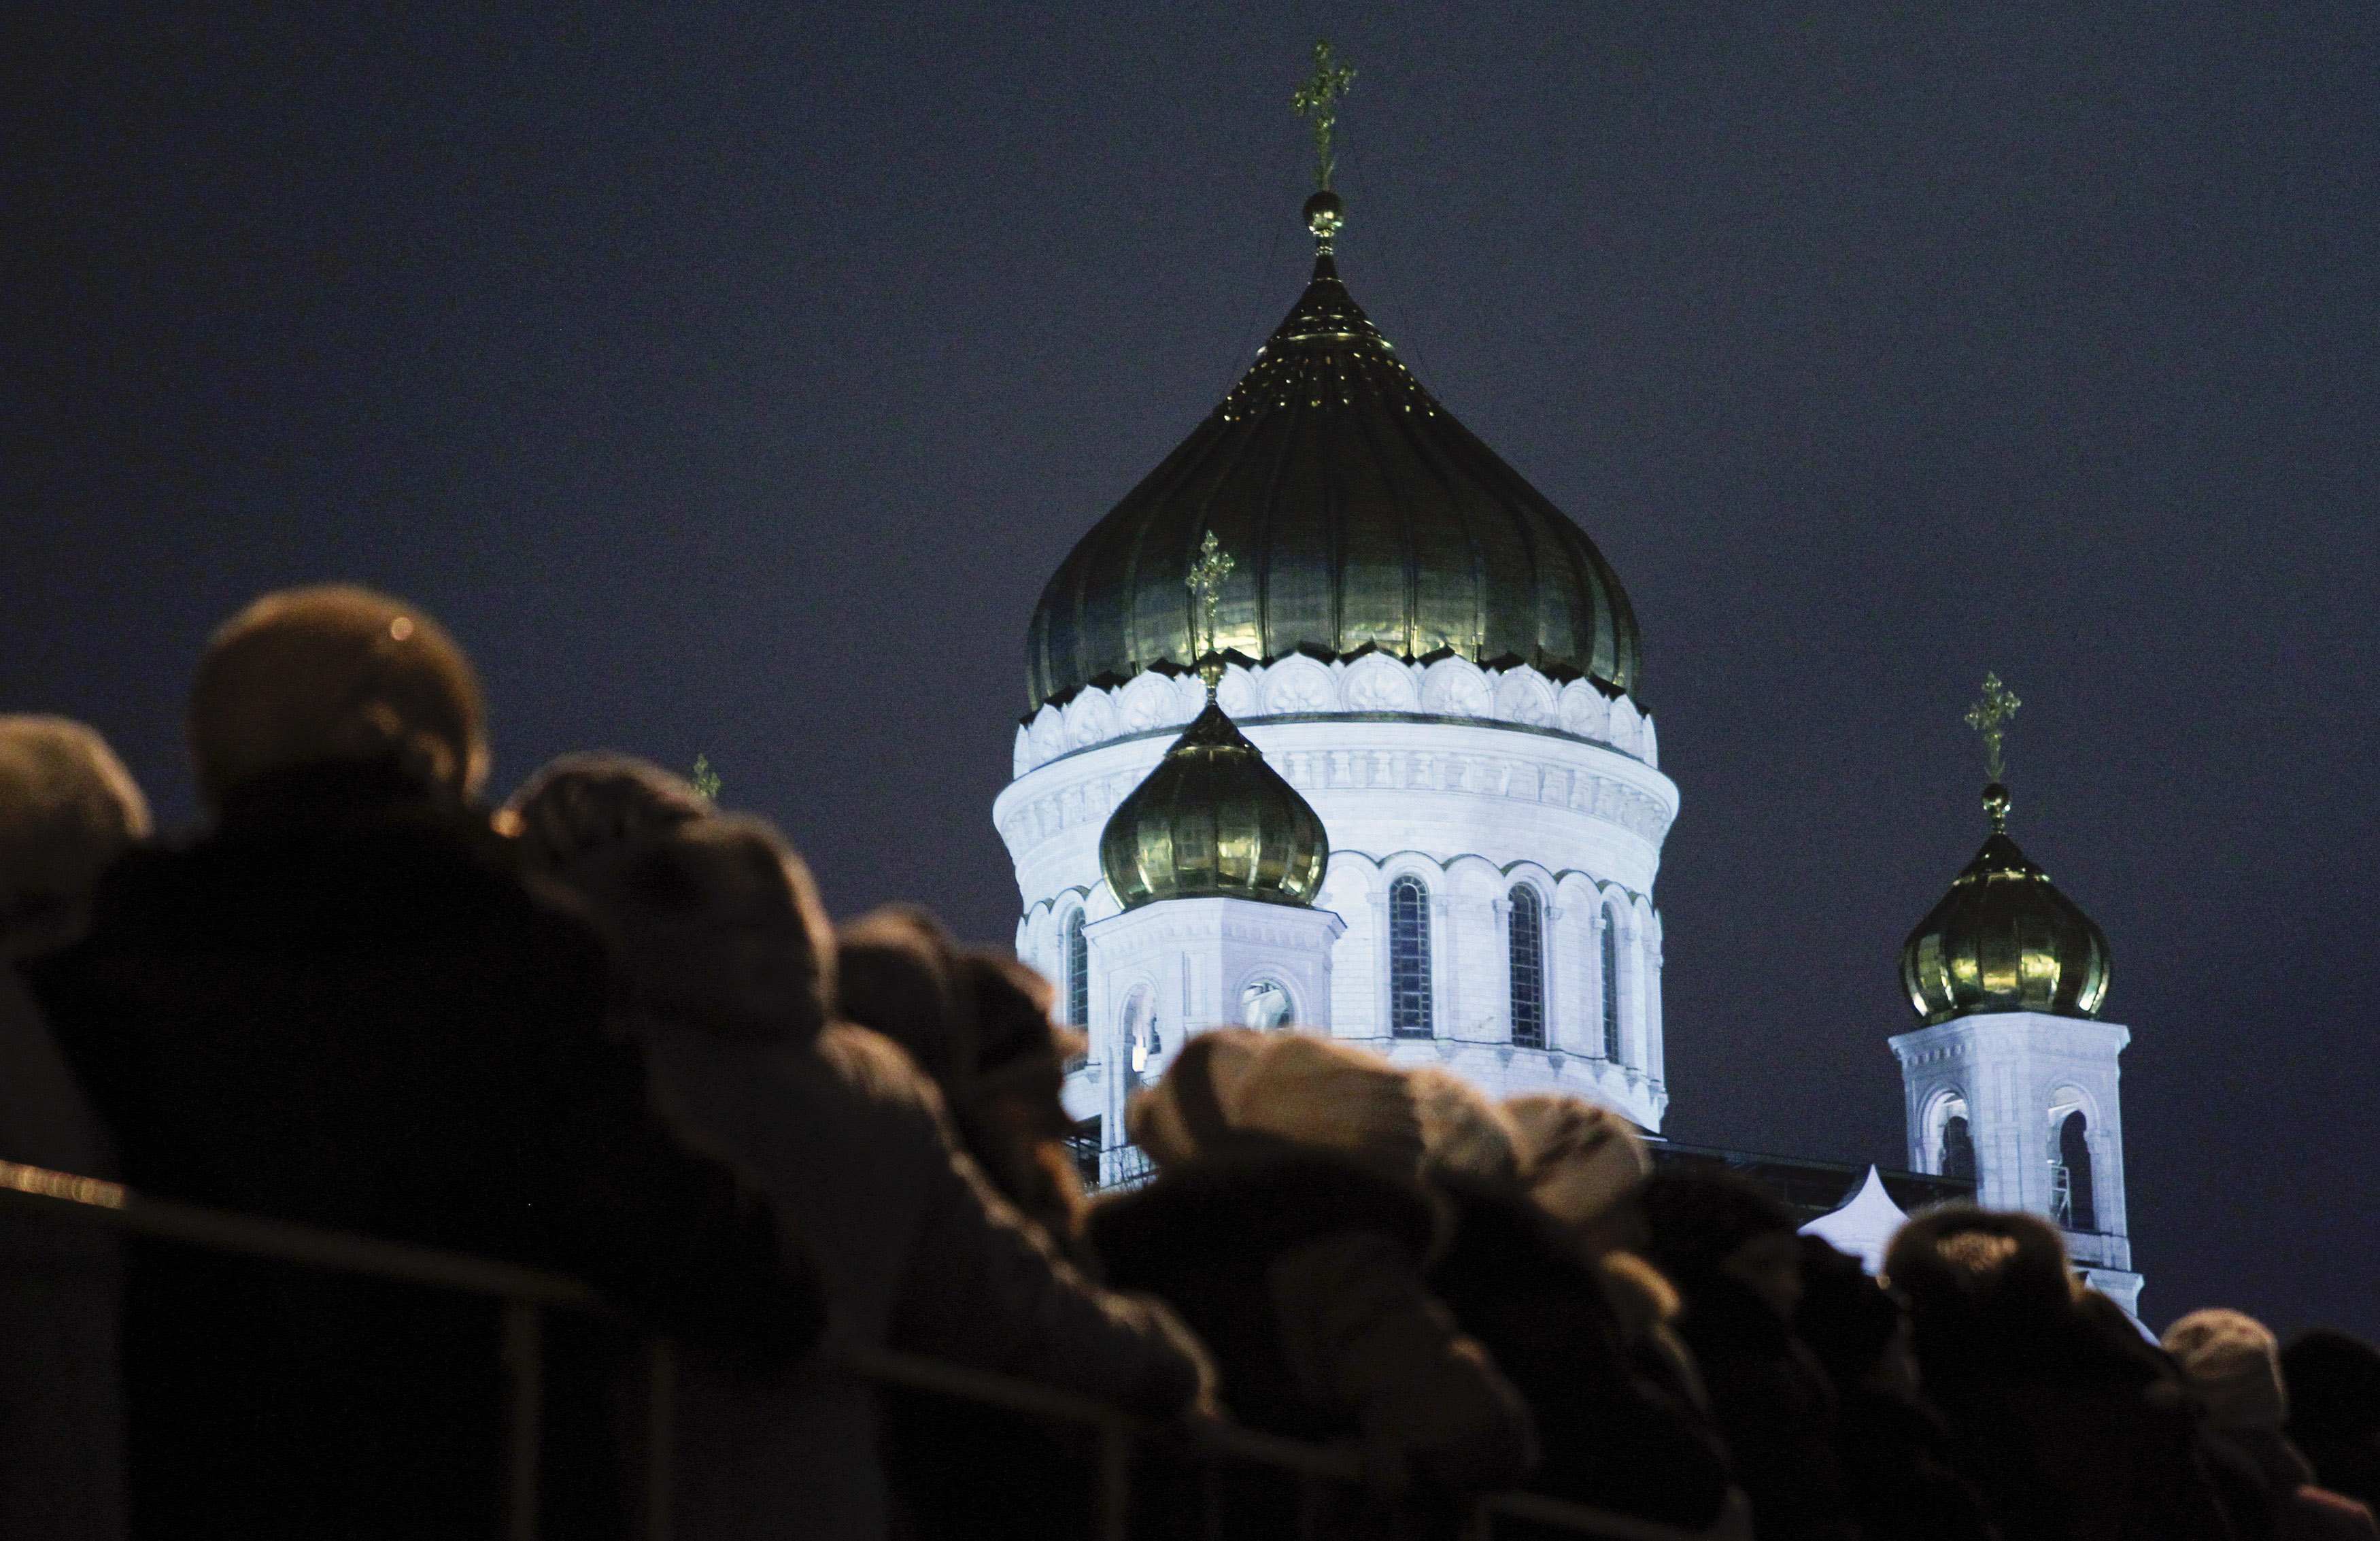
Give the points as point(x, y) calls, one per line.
point(1164, 971)
point(1472, 784)
point(2017, 1079)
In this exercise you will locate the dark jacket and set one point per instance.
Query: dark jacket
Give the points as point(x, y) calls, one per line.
point(1899, 1463)
point(1610, 1439)
point(2074, 1428)
point(345, 1008)
point(1304, 1275)
point(2301, 1510)
point(61, 1397)
point(918, 1253)
point(1774, 1407)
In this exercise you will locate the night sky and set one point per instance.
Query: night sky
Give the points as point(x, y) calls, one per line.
point(732, 381)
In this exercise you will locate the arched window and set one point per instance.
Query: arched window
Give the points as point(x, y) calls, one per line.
point(1143, 1044)
point(1610, 928)
point(1078, 973)
point(1528, 953)
point(1956, 1158)
point(1265, 1005)
point(1408, 1015)
point(2070, 1195)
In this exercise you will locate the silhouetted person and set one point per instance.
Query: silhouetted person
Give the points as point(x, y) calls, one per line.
point(727, 965)
point(2232, 1367)
point(2334, 1382)
point(2075, 1429)
point(1538, 1302)
point(1287, 1222)
point(67, 809)
point(1732, 1251)
point(345, 1006)
point(1897, 1455)
point(979, 1023)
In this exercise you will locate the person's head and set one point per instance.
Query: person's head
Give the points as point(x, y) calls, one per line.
point(1854, 1325)
point(2334, 1382)
point(1977, 1278)
point(1014, 1115)
point(580, 806)
point(1234, 1091)
point(1464, 1135)
point(1585, 1165)
point(2232, 1366)
point(897, 971)
point(718, 927)
point(1708, 1226)
point(335, 675)
point(1020, 1053)
point(67, 809)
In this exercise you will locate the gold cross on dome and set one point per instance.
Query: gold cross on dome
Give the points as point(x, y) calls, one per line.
point(1206, 582)
point(1989, 718)
point(1317, 102)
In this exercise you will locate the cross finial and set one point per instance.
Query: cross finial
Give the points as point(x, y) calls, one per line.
point(1317, 102)
point(1989, 718)
point(1206, 582)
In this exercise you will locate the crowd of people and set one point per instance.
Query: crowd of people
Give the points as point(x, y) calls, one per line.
point(608, 1030)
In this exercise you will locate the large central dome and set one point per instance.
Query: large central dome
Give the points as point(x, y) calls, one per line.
point(1363, 514)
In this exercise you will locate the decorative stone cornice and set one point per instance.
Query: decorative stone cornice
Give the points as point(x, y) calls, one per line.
point(1373, 685)
point(1542, 779)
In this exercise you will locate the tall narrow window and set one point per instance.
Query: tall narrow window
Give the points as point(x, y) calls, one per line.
point(1409, 959)
point(1610, 928)
point(1078, 973)
point(1956, 1157)
point(1528, 952)
point(2081, 1209)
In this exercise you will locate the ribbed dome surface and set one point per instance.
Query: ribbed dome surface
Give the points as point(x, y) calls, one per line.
point(1362, 515)
point(1214, 820)
point(2004, 940)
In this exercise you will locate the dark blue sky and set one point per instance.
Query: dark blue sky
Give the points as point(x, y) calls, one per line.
point(731, 381)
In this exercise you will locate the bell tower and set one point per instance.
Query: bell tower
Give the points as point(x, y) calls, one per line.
point(1214, 862)
point(2012, 1077)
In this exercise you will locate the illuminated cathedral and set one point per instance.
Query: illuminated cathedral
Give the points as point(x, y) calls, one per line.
point(1332, 724)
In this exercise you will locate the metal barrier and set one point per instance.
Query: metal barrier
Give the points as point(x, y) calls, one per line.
point(525, 1294)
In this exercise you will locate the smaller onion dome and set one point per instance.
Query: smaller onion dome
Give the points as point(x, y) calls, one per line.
point(2004, 940)
point(1213, 821)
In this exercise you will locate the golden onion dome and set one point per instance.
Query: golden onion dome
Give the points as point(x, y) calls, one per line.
point(2004, 940)
point(1213, 821)
point(1364, 516)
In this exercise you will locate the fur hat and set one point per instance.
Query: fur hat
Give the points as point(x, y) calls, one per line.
point(897, 971)
point(1578, 1158)
point(2233, 1366)
point(1700, 1217)
point(1017, 1047)
point(67, 809)
point(1462, 1132)
point(1961, 1264)
point(719, 927)
point(335, 674)
point(581, 804)
point(1232, 1089)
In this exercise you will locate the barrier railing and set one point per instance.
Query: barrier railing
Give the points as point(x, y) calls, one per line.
point(525, 1294)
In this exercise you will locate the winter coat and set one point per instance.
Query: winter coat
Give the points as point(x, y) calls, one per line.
point(1899, 1463)
point(2301, 1510)
point(2075, 1429)
point(1611, 1438)
point(1776, 1409)
point(61, 1401)
point(1303, 1273)
point(345, 1008)
point(916, 1253)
